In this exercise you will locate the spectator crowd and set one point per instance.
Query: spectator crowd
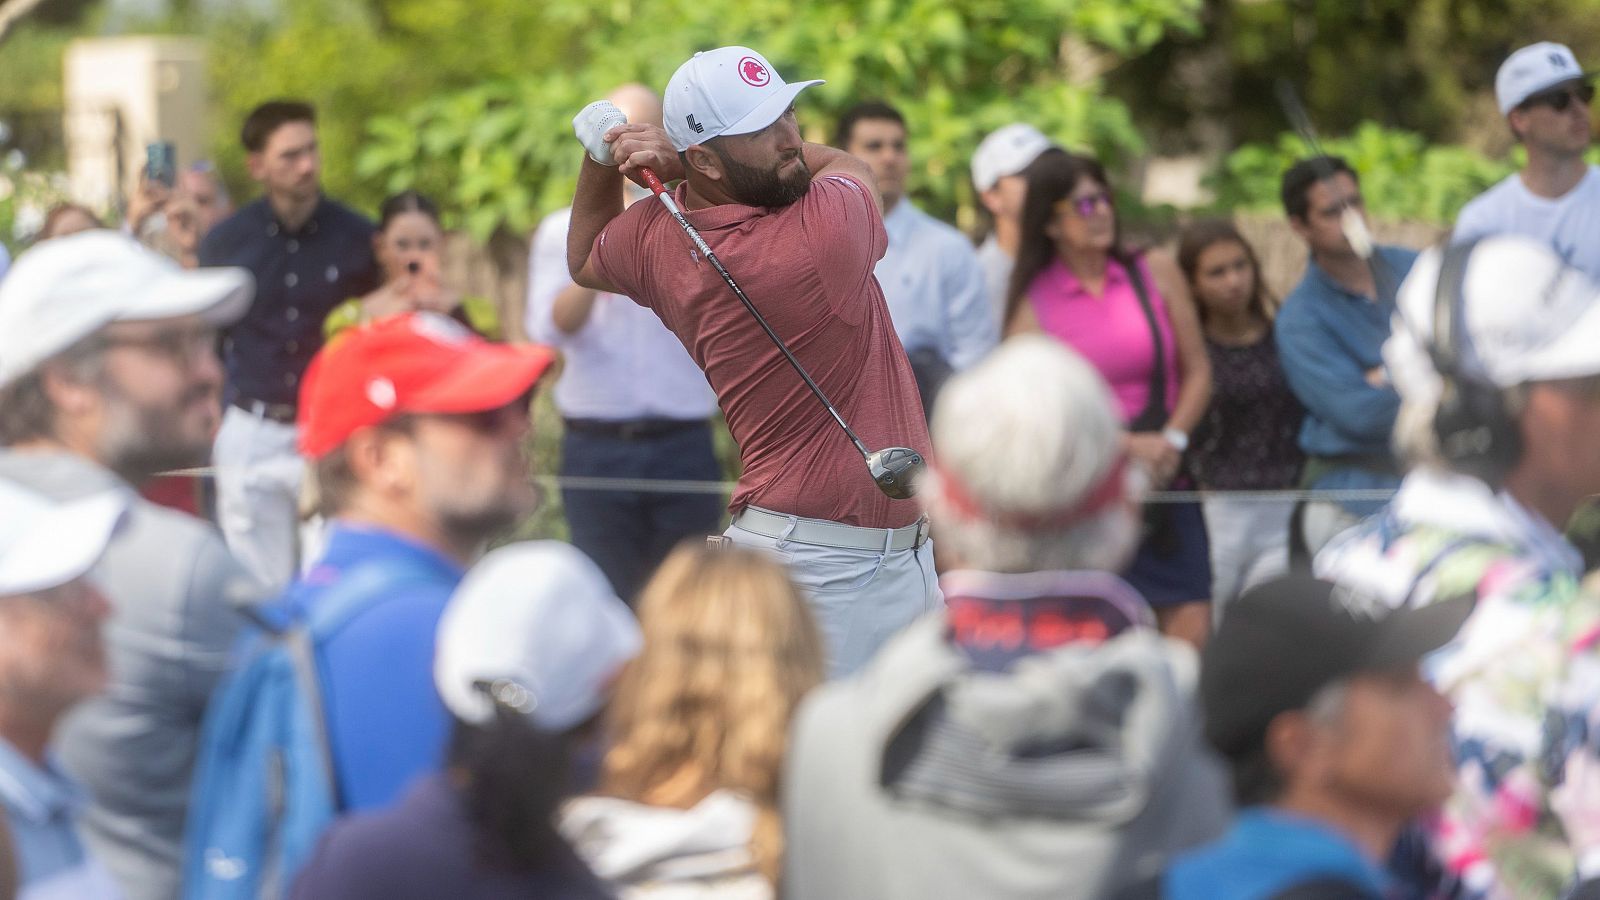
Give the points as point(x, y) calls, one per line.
point(328, 676)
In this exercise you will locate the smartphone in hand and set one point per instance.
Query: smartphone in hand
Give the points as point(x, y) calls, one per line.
point(161, 163)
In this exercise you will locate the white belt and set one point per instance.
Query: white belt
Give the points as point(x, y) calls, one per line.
point(795, 529)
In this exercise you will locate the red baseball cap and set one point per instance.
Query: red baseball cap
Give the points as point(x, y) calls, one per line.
point(416, 363)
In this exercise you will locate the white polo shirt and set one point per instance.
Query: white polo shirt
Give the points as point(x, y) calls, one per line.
point(623, 364)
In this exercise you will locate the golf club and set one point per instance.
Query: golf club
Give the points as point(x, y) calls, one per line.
point(1350, 220)
point(893, 469)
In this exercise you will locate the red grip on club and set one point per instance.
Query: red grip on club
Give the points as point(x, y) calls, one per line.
point(652, 182)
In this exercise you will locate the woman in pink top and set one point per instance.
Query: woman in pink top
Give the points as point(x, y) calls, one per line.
point(1131, 316)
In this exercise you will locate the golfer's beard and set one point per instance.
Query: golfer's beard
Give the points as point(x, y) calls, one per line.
point(763, 187)
point(138, 442)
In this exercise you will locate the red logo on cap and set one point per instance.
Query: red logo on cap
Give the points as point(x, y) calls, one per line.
point(753, 72)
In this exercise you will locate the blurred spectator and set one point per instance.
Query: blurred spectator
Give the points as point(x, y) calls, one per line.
point(1498, 413)
point(173, 221)
point(5, 261)
point(998, 175)
point(1330, 335)
point(415, 429)
point(526, 649)
point(108, 374)
point(687, 804)
point(1038, 739)
point(64, 219)
point(930, 276)
point(632, 402)
point(410, 246)
point(1246, 442)
point(308, 254)
point(1129, 314)
point(1334, 739)
point(51, 658)
point(1545, 95)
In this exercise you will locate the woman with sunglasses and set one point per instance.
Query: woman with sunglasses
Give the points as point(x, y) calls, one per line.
point(1130, 315)
point(1545, 98)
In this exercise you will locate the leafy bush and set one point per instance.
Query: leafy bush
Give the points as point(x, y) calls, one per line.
point(1402, 176)
point(500, 153)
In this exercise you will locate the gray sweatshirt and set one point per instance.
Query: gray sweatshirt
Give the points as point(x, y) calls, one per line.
point(1070, 775)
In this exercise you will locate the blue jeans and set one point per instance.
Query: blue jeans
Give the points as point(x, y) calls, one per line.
point(628, 533)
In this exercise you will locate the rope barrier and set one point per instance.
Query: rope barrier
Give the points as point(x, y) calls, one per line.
point(670, 486)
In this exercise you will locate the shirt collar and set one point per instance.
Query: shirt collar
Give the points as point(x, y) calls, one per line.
point(349, 543)
point(900, 220)
point(1067, 280)
point(1014, 615)
point(1268, 830)
point(41, 794)
point(1464, 504)
point(273, 227)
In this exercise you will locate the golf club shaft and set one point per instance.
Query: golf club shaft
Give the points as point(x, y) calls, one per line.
point(660, 191)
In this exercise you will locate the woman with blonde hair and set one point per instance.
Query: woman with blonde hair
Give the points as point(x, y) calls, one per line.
point(687, 802)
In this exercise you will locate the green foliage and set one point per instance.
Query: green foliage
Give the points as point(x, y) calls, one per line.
point(1402, 176)
point(500, 153)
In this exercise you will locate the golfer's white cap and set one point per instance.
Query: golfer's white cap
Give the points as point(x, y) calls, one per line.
point(67, 288)
point(537, 627)
point(45, 543)
point(1527, 316)
point(1532, 69)
point(1006, 151)
point(730, 90)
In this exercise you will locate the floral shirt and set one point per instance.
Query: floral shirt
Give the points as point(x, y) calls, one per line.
point(1521, 672)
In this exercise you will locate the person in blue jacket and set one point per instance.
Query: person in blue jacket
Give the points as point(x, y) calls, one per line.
point(1330, 336)
point(1335, 740)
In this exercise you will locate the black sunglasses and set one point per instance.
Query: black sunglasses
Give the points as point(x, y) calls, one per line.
point(1561, 98)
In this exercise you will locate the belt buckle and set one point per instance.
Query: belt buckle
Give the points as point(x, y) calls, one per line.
point(629, 430)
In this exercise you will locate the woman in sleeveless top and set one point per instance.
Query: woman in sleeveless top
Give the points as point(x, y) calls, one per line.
point(1129, 314)
point(1248, 440)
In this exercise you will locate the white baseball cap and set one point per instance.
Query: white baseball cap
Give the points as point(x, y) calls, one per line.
point(536, 626)
point(1527, 316)
point(730, 90)
point(1532, 69)
point(67, 288)
point(45, 543)
point(1006, 151)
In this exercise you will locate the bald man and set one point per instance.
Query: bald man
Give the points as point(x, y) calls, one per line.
point(635, 405)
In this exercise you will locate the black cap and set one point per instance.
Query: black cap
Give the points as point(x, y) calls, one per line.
point(1286, 639)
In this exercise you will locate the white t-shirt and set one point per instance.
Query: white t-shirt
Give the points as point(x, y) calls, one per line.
point(1570, 223)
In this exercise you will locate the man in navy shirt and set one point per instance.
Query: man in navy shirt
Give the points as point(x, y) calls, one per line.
point(1330, 336)
point(415, 430)
point(308, 254)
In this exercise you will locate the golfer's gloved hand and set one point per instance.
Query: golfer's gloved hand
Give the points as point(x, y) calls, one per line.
point(591, 124)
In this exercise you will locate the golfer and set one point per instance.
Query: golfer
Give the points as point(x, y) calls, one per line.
point(800, 226)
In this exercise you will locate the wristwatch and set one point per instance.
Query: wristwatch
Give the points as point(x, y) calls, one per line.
point(1178, 439)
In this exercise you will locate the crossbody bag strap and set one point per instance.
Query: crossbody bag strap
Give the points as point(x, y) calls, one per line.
point(1154, 415)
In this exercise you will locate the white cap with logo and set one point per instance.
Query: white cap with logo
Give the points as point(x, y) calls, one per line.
point(730, 90)
point(1006, 151)
point(46, 543)
point(1527, 316)
point(67, 288)
point(1531, 70)
point(534, 627)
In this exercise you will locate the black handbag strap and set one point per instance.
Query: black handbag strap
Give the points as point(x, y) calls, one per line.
point(1154, 415)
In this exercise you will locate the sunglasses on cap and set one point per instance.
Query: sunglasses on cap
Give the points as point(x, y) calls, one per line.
point(1560, 98)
